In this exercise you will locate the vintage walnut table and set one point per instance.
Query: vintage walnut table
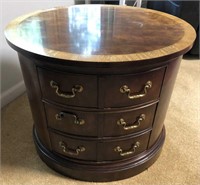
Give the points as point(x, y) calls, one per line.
point(99, 80)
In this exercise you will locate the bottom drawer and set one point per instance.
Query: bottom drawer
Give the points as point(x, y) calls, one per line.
point(99, 149)
point(123, 148)
point(74, 148)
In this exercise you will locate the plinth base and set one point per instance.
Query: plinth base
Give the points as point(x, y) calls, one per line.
point(100, 171)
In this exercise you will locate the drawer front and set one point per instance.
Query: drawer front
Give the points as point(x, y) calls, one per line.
point(75, 90)
point(122, 149)
point(74, 148)
point(129, 90)
point(108, 150)
point(129, 121)
point(71, 121)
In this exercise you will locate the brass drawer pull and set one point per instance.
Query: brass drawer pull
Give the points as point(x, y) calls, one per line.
point(125, 89)
point(71, 151)
point(75, 89)
point(74, 117)
point(125, 153)
point(136, 124)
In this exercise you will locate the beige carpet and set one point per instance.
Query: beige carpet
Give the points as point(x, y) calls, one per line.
point(179, 163)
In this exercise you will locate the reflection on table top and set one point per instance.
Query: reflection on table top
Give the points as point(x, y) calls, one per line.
point(100, 33)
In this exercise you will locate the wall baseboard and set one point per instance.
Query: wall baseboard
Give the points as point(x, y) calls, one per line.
point(12, 93)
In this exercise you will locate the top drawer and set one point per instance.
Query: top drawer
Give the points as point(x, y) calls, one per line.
point(69, 89)
point(129, 90)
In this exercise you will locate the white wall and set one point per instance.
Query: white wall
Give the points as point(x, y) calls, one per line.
point(12, 84)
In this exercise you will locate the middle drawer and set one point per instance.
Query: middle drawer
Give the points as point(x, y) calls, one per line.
point(100, 124)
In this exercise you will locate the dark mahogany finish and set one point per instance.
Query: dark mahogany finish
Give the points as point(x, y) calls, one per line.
point(99, 81)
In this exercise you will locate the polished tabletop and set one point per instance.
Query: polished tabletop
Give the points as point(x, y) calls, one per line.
point(100, 33)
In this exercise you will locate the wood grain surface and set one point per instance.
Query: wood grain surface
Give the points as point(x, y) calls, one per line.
point(100, 33)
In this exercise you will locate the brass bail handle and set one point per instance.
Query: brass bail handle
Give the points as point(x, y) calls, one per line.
point(61, 115)
point(72, 94)
point(129, 152)
point(132, 95)
point(136, 124)
point(70, 151)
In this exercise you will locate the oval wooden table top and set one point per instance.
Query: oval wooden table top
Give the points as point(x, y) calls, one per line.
point(101, 33)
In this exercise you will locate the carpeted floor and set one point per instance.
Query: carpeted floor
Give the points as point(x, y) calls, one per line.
point(179, 163)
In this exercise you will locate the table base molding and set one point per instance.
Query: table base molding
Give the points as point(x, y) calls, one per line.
point(100, 171)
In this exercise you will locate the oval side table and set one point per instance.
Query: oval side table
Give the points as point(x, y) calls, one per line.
point(99, 80)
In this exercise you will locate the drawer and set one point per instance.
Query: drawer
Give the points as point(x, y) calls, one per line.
point(128, 121)
point(71, 121)
point(108, 150)
point(122, 149)
point(74, 148)
point(130, 90)
point(82, 123)
point(75, 90)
